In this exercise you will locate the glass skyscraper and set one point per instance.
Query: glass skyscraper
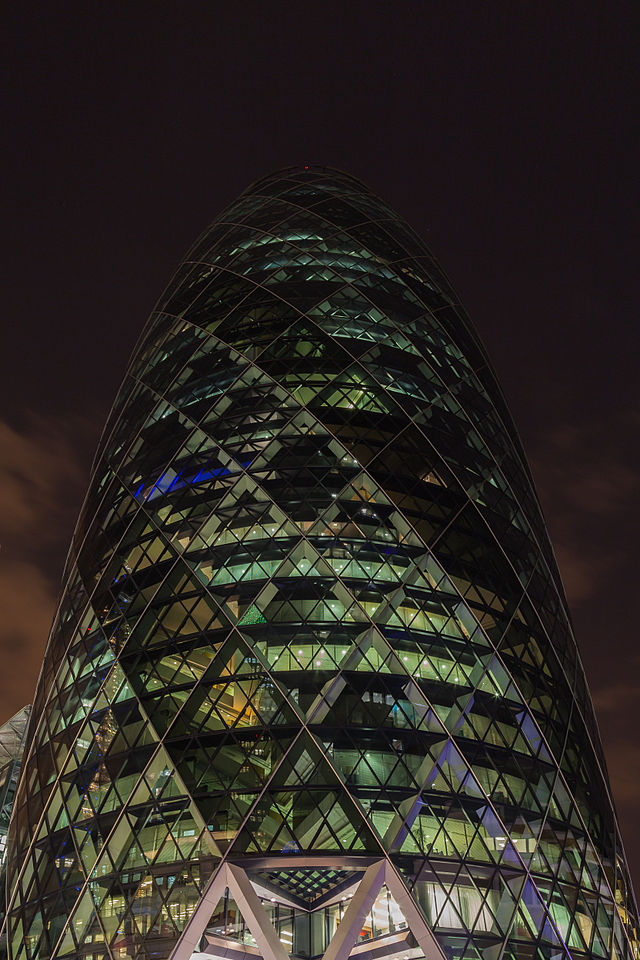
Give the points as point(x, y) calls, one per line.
point(312, 687)
point(12, 735)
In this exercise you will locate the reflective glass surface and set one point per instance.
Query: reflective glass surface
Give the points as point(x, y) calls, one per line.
point(311, 611)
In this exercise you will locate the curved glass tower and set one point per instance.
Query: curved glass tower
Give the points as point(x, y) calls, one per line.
point(312, 687)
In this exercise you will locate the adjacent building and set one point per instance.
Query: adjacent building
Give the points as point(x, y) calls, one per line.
point(12, 737)
point(312, 688)
point(12, 734)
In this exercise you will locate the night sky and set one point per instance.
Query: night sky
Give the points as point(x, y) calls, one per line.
point(505, 133)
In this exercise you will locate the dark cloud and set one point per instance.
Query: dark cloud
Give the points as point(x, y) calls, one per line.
point(588, 485)
point(27, 600)
point(623, 761)
point(41, 485)
point(618, 696)
point(40, 477)
point(588, 477)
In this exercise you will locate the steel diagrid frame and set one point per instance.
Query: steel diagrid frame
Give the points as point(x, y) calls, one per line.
point(427, 440)
point(311, 615)
point(377, 874)
point(295, 413)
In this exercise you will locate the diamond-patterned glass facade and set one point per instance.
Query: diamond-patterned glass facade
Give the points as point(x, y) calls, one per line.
point(313, 633)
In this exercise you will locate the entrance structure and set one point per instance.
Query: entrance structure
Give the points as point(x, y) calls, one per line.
point(312, 688)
